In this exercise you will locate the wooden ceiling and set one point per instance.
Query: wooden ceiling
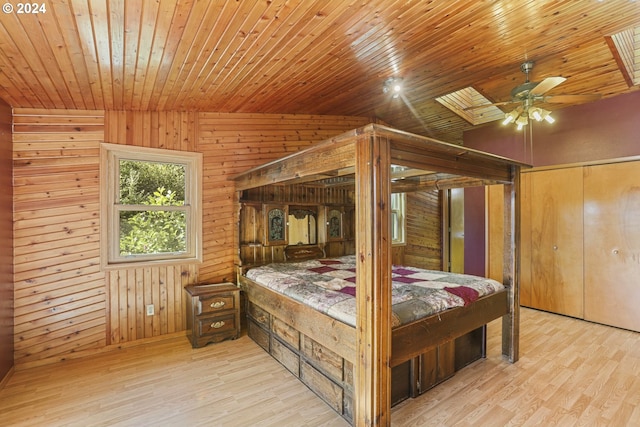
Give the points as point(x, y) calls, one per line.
point(305, 56)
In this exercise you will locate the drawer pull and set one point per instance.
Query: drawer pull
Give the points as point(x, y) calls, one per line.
point(217, 304)
point(217, 325)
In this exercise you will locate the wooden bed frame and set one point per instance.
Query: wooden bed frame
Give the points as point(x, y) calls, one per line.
point(320, 351)
point(372, 348)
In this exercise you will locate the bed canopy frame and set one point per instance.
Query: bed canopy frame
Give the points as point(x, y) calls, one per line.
point(365, 155)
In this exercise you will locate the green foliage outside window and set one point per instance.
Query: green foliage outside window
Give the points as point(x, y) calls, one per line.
point(152, 231)
point(139, 180)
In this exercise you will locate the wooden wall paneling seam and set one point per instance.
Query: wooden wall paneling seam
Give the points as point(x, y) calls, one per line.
point(167, 302)
point(33, 297)
point(156, 300)
point(42, 306)
point(113, 336)
point(57, 333)
point(82, 245)
point(131, 312)
point(140, 310)
point(56, 325)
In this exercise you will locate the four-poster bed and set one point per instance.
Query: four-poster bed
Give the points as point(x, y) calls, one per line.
point(350, 367)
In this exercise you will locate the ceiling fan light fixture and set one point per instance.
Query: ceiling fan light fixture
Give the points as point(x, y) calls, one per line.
point(521, 116)
point(540, 114)
point(510, 117)
point(528, 94)
point(522, 121)
point(534, 113)
point(393, 85)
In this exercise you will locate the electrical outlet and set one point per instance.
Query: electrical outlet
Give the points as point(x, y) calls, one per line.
point(150, 310)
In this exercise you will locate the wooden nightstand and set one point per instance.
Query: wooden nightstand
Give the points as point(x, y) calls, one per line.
point(213, 313)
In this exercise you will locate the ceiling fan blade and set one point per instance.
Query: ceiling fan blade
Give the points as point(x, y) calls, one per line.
point(546, 85)
point(570, 99)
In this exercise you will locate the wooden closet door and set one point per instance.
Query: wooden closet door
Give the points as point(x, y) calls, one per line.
point(526, 284)
point(556, 258)
point(612, 244)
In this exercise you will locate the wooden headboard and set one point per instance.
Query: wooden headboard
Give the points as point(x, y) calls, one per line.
point(303, 252)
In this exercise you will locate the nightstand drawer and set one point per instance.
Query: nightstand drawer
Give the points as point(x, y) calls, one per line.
point(216, 303)
point(213, 313)
point(217, 325)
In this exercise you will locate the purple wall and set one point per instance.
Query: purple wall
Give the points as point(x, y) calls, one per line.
point(474, 220)
point(606, 129)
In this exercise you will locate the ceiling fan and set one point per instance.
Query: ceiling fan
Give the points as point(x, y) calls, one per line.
point(527, 94)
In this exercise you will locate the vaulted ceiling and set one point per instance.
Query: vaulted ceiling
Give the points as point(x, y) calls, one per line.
point(308, 57)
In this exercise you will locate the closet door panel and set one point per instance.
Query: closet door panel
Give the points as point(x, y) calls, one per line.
point(612, 244)
point(556, 241)
point(526, 283)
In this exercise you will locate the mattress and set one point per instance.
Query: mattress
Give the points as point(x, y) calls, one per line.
point(328, 285)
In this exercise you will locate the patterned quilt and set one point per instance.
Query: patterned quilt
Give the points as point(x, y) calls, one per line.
point(328, 285)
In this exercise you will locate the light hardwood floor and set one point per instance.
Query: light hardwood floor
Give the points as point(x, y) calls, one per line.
point(570, 373)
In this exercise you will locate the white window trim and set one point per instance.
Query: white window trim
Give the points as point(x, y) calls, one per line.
point(400, 212)
point(110, 155)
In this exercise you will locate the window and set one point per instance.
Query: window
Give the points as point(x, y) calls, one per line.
point(398, 202)
point(150, 205)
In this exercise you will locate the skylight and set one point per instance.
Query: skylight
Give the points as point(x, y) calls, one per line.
point(461, 99)
point(625, 47)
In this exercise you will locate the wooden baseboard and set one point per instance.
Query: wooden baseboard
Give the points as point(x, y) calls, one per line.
point(94, 351)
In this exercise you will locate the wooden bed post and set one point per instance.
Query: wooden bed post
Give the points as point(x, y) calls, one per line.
point(511, 267)
point(372, 382)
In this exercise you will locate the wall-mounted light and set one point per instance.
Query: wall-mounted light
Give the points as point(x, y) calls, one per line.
point(393, 85)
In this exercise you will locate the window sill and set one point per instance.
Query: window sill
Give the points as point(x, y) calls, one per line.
point(149, 263)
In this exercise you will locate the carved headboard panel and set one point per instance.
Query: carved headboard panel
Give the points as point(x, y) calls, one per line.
point(302, 252)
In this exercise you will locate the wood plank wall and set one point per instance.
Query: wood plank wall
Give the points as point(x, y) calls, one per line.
point(130, 290)
point(6, 244)
point(424, 230)
point(233, 143)
point(65, 305)
point(60, 297)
